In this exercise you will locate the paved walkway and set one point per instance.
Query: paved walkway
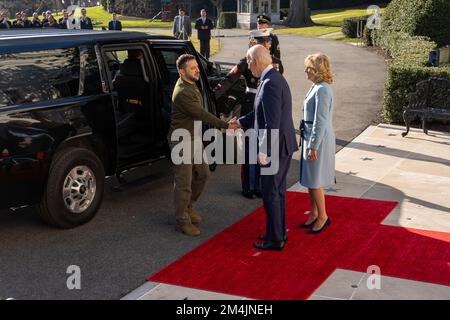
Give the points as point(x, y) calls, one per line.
point(379, 164)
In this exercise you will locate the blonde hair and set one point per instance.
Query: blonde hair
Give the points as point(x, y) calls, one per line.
point(320, 62)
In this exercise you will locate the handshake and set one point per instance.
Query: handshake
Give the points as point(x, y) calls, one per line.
point(233, 124)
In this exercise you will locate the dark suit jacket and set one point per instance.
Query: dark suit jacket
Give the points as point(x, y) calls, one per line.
point(118, 25)
point(36, 23)
point(62, 23)
point(204, 34)
point(5, 24)
point(86, 24)
point(186, 27)
point(273, 110)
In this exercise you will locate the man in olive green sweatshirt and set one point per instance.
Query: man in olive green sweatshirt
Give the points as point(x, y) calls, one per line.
point(190, 178)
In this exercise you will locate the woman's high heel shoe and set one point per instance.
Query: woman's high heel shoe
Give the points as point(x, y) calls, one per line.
point(308, 225)
point(326, 224)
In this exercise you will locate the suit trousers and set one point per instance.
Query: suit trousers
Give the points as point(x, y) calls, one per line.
point(250, 173)
point(204, 48)
point(181, 35)
point(189, 183)
point(274, 198)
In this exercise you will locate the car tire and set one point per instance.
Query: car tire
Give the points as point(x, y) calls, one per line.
point(74, 189)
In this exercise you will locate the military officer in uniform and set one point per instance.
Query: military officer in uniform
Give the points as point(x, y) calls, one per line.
point(250, 173)
point(263, 37)
point(263, 22)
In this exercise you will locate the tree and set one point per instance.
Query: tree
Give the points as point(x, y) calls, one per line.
point(30, 6)
point(219, 5)
point(136, 8)
point(299, 14)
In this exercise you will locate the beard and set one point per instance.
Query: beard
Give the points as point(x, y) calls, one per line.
point(193, 77)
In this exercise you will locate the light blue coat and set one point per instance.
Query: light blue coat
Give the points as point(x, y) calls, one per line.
point(318, 135)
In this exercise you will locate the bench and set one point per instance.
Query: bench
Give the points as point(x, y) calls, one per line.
point(430, 101)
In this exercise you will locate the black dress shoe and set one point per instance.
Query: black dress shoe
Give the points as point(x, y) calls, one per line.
point(263, 238)
point(257, 194)
point(270, 245)
point(326, 224)
point(248, 195)
point(308, 225)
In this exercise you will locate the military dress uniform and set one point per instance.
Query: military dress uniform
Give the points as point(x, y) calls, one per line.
point(250, 173)
point(264, 36)
point(275, 44)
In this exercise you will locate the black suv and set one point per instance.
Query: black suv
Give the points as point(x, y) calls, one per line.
point(76, 106)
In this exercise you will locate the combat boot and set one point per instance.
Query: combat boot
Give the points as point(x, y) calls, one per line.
point(195, 217)
point(187, 228)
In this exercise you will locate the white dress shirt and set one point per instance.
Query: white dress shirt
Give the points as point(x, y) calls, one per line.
point(181, 24)
point(266, 70)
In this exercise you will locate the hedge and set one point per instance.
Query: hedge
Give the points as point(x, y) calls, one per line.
point(428, 18)
point(408, 67)
point(368, 36)
point(410, 30)
point(227, 20)
point(403, 47)
point(332, 4)
point(350, 26)
point(401, 80)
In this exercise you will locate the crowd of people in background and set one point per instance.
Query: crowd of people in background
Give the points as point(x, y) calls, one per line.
point(48, 20)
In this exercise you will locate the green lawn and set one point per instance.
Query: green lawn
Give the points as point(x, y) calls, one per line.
point(315, 31)
point(327, 22)
point(343, 13)
point(100, 18)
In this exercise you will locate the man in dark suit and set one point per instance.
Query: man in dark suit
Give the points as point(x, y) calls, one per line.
point(272, 111)
point(44, 17)
point(26, 22)
point(4, 22)
point(182, 28)
point(18, 23)
point(63, 21)
point(85, 21)
point(204, 26)
point(35, 21)
point(115, 24)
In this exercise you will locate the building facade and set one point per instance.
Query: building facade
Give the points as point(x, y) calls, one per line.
point(248, 11)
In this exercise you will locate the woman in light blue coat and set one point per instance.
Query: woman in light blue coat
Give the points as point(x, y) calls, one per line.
point(317, 164)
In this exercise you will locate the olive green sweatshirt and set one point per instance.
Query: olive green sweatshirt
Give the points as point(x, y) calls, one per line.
point(187, 106)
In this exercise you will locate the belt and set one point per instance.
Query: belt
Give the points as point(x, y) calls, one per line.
point(302, 128)
point(251, 90)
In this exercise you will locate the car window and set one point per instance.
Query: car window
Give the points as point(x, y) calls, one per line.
point(39, 76)
point(169, 57)
point(90, 79)
point(126, 62)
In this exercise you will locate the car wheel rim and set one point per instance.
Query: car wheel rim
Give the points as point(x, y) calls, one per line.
point(79, 189)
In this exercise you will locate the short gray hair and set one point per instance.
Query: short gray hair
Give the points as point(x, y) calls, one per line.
point(260, 53)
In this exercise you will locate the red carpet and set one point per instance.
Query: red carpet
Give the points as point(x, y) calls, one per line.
point(229, 264)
